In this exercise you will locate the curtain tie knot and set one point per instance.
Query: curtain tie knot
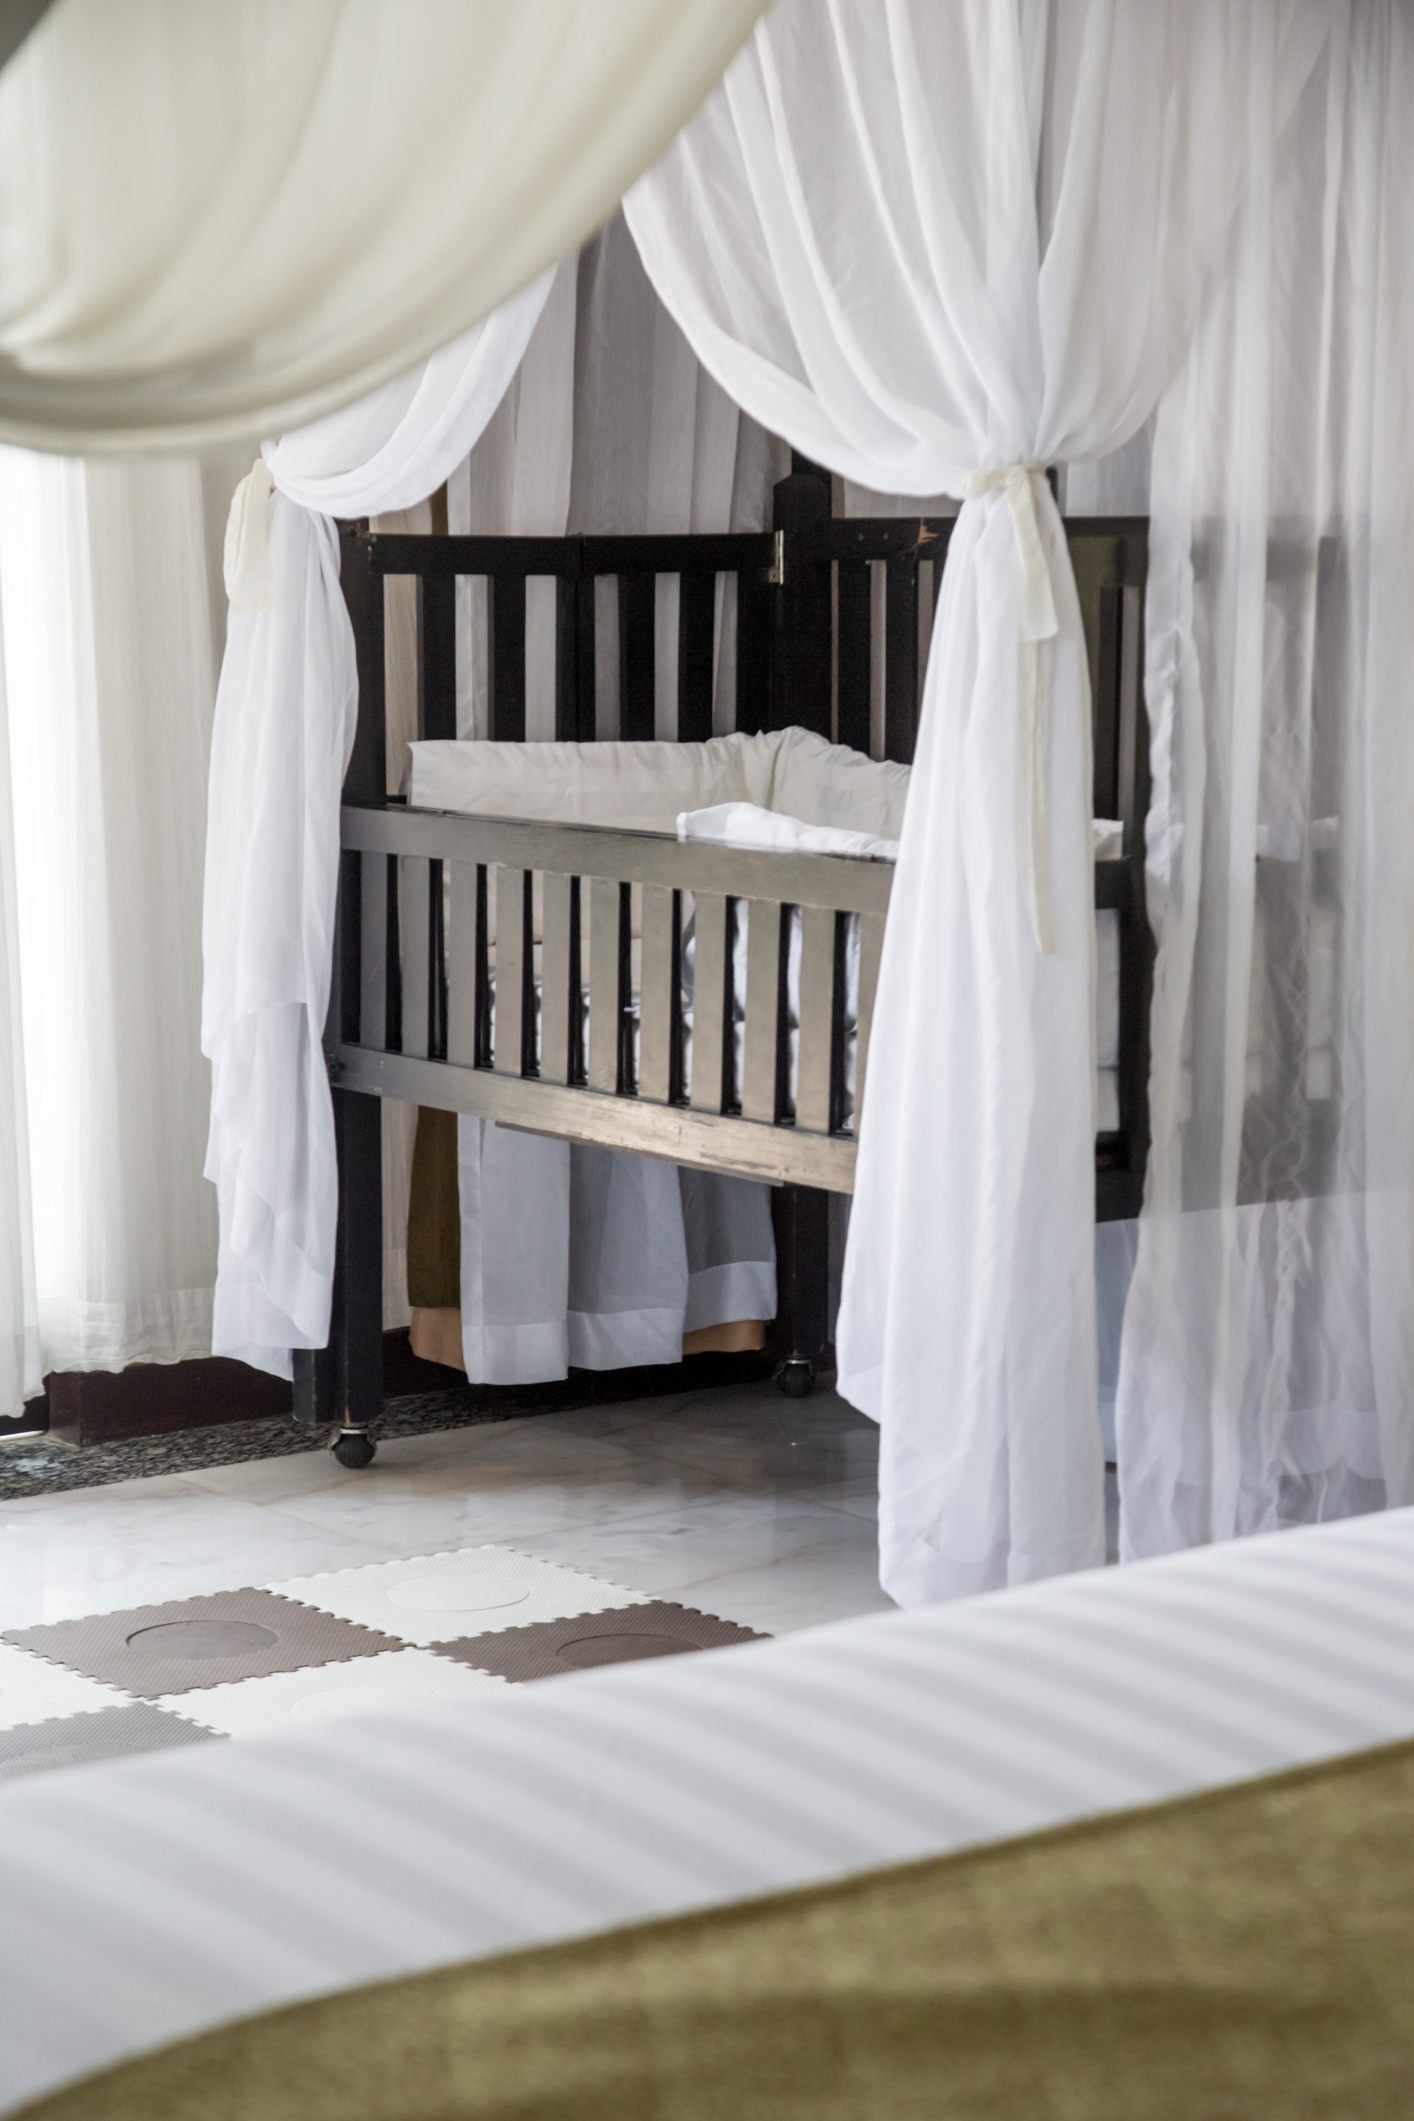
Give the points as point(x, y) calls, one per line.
point(1038, 604)
point(1038, 623)
point(246, 557)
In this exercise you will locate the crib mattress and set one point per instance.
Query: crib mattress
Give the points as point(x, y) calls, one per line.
point(149, 1899)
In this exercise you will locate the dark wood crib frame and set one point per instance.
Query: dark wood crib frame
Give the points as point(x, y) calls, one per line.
point(821, 604)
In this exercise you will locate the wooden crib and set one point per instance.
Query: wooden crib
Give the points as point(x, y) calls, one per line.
point(832, 618)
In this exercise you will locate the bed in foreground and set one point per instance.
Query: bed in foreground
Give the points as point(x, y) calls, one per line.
point(1245, 1951)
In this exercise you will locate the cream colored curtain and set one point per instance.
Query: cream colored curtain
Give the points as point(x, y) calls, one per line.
point(231, 216)
point(110, 583)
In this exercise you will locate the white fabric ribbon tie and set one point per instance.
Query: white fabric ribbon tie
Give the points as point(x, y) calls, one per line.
point(1038, 623)
point(246, 555)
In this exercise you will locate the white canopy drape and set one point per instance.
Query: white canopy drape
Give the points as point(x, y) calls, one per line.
point(1268, 1345)
point(848, 234)
point(285, 714)
point(577, 1255)
point(227, 220)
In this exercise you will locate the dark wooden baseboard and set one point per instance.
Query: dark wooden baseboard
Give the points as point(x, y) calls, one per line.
point(152, 1399)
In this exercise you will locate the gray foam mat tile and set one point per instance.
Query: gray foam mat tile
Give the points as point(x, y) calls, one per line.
point(549, 1647)
point(98, 1734)
point(154, 1650)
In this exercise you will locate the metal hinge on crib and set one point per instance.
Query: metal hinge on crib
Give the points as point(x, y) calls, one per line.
point(777, 574)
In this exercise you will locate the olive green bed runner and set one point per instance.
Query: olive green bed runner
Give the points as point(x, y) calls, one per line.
point(1244, 1954)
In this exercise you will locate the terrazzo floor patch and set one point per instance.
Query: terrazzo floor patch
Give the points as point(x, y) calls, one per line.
point(99, 1734)
point(583, 1640)
point(433, 1597)
point(261, 1708)
point(252, 1663)
point(154, 1650)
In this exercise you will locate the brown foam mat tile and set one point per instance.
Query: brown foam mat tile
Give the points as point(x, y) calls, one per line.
point(549, 1647)
point(98, 1734)
point(152, 1650)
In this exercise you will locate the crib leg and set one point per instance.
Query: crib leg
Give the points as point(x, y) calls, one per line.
point(343, 1382)
point(801, 1215)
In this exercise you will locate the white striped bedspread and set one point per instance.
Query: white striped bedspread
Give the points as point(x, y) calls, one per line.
point(148, 1899)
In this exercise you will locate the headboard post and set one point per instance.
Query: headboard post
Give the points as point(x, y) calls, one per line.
point(367, 778)
point(804, 628)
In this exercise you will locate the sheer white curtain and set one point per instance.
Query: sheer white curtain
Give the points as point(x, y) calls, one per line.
point(849, 235)
point(20, 1368)
point(109, 581)
point(229, 220)
point(1267, 1362)
point(285, 715)
point(578, 1255)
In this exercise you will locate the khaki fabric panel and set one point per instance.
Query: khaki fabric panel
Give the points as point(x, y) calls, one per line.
point(1246, 1952)
point(435, 1335)
point(434, 1214)
point(738, 1336)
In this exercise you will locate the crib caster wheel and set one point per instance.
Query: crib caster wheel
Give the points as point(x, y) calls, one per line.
point(354, 1448)
point(796, 1377)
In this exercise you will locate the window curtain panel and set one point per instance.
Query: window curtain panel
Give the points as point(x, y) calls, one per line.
point(109, 581)
point(285, 715)
point(1267, 1358)
point(229, 219)
point(21, 1375)
point(937, 249)
point(571, 1254)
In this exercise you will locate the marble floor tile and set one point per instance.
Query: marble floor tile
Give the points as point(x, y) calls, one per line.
point(754, 1507)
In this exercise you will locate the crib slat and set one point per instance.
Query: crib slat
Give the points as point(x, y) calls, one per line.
point(605, 1000)
point(512, 953)
point(871, 949)
point(461, 968)
point(656, 995)
point(697, 616)
point(901, 658)
point(505, 623)
point(555, 980)
point(854, 614)
point(373, 952)
point(711, 1004)
point(436, 655)
point(760, 1090)
point(417, 926)
point(637, 673)
point(817, 988)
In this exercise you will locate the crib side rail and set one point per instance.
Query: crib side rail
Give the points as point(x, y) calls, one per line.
point(551, 1029)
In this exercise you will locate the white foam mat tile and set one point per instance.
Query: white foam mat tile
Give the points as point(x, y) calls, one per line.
point(32, 1690)
point(445, 1597)
point(291, 1701)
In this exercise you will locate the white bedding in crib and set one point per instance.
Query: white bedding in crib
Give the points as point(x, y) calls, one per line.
point(643, 787)
point(784, 790)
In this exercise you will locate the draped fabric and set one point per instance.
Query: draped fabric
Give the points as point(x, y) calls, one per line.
point(224, 220)
point(285, 716)
point(572, 1254)
point(111, 633)
point(849, 235)
point(20, 1374)
point(1267, 1359)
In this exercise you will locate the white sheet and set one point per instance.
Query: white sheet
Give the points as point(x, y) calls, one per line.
point(643, 787)
point(147, 1900)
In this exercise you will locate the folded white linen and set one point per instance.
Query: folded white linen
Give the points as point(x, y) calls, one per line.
point(748, 825)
